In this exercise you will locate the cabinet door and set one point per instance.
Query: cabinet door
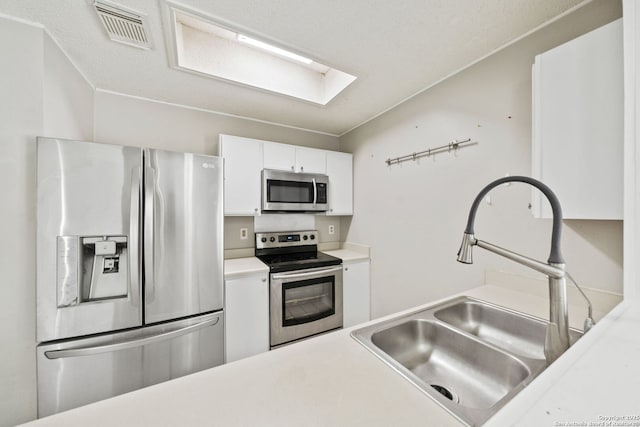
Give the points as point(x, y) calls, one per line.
point(247, 316)
point(279, 156)
point(356, 293)
point(242, 168)
point(340, 171)
point(311, 160)
point(577, 147)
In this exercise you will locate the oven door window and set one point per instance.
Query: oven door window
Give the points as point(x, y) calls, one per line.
point(308, 300)
point(289, 191)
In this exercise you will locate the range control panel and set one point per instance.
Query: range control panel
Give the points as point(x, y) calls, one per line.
point(286, 239)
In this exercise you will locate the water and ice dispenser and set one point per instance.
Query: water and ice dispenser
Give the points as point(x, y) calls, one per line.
point(91, 268)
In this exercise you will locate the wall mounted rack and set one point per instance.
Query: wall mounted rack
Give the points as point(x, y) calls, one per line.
point(454, 145)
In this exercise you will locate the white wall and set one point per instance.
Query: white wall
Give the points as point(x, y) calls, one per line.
point(134, 121)
point(41, 94)
point(413, 214)
point(67, 97)
point(21, 116)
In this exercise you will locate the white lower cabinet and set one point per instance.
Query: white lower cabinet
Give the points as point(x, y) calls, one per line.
point(356, 293)
point(247, 316)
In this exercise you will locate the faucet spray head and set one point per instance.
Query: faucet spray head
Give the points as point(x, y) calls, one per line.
point(465, 253)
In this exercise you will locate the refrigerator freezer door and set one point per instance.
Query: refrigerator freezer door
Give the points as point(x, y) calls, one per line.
point(88, 222)
point(183, 247)
point(81, 371)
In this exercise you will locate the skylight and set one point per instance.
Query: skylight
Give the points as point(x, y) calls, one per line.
point(203, 46)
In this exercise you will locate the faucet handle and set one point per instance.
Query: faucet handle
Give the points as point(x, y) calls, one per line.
point(588, 322)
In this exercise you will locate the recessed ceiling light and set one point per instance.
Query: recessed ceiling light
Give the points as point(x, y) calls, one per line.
point(201, 44)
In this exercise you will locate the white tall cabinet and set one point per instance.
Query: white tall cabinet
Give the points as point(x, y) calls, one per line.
point(577, 138)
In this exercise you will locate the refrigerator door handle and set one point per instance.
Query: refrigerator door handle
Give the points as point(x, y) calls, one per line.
point(149, 218)
point(123, 345)
point(134, 233)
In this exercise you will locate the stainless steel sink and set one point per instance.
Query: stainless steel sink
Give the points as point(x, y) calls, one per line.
point(470, 356)
point(472, 374)
point(511, 331)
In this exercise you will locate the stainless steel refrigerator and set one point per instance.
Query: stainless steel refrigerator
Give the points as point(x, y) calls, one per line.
point(129, 269)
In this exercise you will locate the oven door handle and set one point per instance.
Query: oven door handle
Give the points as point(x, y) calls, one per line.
point(306, 274)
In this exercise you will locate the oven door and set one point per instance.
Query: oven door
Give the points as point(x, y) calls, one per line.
point(297, 192)
point(305, 303)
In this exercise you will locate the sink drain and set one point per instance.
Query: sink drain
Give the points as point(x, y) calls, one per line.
point(445, 392)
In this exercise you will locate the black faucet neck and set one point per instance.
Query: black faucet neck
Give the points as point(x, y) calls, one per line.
point(555, 255)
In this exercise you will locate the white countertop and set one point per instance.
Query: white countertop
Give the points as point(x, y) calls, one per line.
point(595, 382)
point(239, 267)
point(332, 380)
point(348, 256)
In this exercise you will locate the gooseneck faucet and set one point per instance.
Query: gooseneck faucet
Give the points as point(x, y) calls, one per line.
point(557, 337)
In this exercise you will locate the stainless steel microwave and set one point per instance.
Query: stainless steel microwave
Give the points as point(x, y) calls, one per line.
point(294, 192)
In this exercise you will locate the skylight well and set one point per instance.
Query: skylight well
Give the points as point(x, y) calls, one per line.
point(206, 47)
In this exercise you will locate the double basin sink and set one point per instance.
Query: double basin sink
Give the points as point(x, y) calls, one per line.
point(470, 356)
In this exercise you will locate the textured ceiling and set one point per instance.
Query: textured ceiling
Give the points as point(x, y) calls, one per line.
point(395, 48)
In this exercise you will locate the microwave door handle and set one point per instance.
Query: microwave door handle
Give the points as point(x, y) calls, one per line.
point(315, 191)
point(305, 274)
point(132, 343)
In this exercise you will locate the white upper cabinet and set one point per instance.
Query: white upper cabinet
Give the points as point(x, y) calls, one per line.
point(242, 174)
point(340, 171)
point(291, 158)
point(311, 160)
point(245, 158)
point(577, 140)
point(279, 156)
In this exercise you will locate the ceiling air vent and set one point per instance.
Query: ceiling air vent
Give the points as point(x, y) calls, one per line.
point(122, 25)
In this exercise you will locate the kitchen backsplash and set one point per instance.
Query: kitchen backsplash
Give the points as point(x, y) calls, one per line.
point(236, 228)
